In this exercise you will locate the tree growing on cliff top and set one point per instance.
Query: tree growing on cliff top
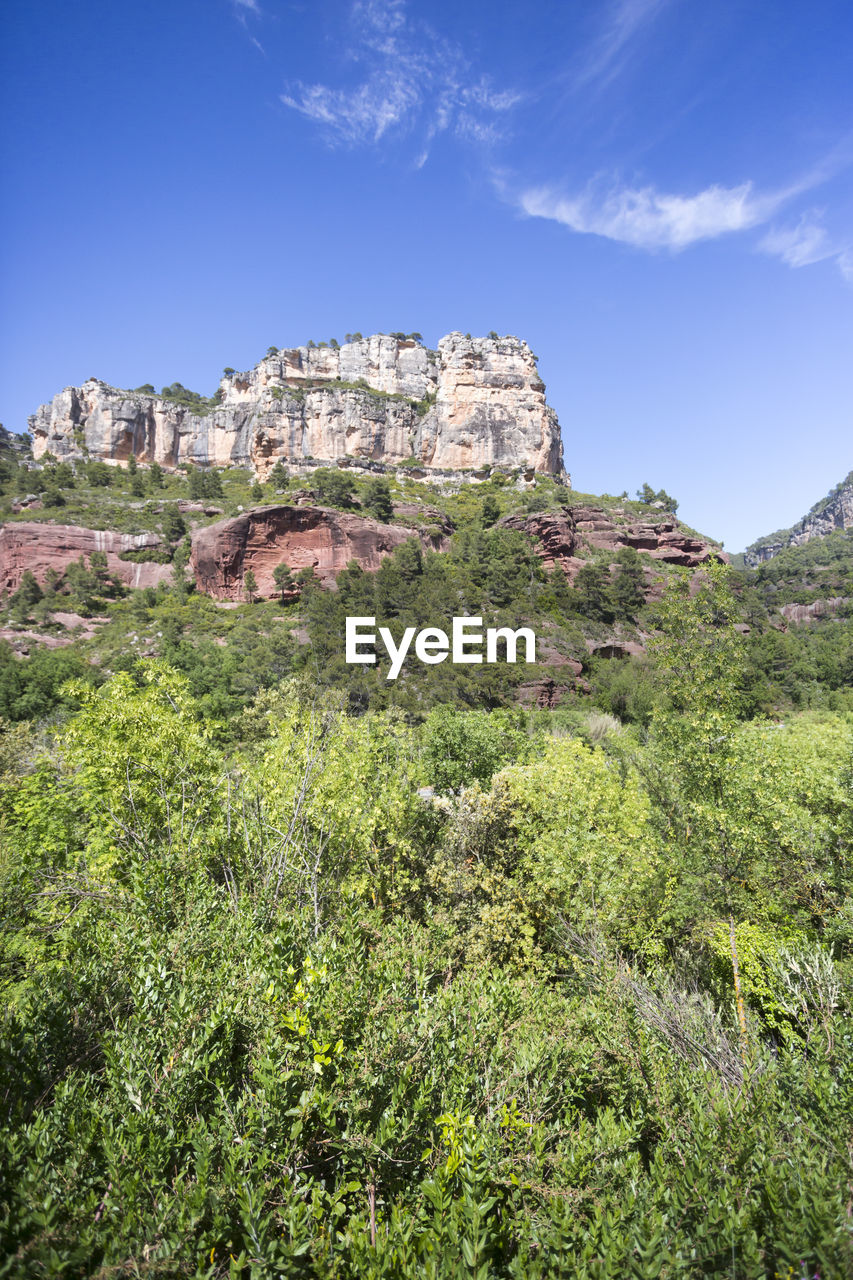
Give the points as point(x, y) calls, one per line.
point(657, 498)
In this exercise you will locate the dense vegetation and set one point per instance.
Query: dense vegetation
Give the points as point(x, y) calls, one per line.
point(475, 994)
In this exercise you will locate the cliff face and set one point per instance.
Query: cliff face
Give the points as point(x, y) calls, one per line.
point(301, 537)
point(472, 403)
point(39, 547)
point(835, 511)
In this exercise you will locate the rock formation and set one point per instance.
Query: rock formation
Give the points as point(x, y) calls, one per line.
point(797, 613)
point(835, 511)
point(560, 537)
point(30, 545)
point(300, 537)
point(472, 403)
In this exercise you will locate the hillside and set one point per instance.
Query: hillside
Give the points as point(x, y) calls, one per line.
point(319, 968)
point(584, 571)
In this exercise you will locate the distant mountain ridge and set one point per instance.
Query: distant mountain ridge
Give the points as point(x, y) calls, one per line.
point(835, 511)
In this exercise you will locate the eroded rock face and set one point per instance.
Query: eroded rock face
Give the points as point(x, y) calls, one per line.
point(663, 539)
point(561, 536)
point(39, 547)
point(301, 537)
point(473, 403)
point(797, 613)
point(554, 533)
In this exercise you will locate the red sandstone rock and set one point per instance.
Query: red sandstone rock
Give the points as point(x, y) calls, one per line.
point(40, 546)
point(300, 537)
point(541, 693)
point(560, 535)
point(555, 533)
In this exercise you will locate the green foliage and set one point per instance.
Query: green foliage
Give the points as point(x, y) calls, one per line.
point(283, 579)
point(268, 1012)
point(278, 475)
point(34, 687)
point(174, 525)
point(99, 474)
point(661, 498)
point(462, 747)
point(192, 400)
point(377, 500)
point(332, 487)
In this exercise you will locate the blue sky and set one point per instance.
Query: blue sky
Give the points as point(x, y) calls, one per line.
point(656, 194)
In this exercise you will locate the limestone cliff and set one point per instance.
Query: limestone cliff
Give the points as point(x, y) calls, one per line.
point(835, 511)
point(472, 403)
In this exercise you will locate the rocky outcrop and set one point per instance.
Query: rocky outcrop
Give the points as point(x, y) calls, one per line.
point(835, 511)
point(39, 547)
point(797, 613)
point(300, 537)
point(472, 403)
point(554, 534)
point(664, 538)
point(562, 535)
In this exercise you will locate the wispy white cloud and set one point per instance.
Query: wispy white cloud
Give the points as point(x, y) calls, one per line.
point(606, 56)
point(808, 242)
point(414, 81)
point(653, 219)
point(243, 10)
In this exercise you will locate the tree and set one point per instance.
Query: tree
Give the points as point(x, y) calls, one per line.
point(28, 594)
point(99, 474)
point(490, 510)
point(591, 586)
point(174, 525)
point(155, 473)
point(283, 579)
point(463, 747)
point(257, 491)
point(333, 487)
point(197, 485)
point(278, 475)
point(250, 586)
point(377, 500)
point(629, 583)
point(659, 498)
